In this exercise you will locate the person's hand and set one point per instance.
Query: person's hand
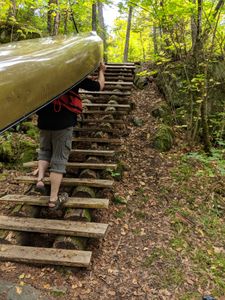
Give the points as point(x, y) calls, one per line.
point(102, 67)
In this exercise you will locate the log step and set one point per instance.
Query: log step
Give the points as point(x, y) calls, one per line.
point(96, 129)
point(82, 92)
point(99, 183)
point(70, 258)
point(102, 112)
point(108, 153)
point(72, 202)
point(58, 227)
point(104, 105)
point(113, 78)
point(101, 121)
point(97, 140)
point(75, 165)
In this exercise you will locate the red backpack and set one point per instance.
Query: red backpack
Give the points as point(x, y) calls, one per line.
point(70, 100)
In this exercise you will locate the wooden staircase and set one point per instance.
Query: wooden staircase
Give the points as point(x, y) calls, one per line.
point(95, 143)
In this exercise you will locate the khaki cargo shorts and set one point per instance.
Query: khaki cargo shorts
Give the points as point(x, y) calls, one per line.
point(55, 146)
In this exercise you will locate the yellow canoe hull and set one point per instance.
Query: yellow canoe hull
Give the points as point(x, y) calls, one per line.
point(34, 72)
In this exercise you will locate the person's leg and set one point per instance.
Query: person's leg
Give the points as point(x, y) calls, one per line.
point(61, 142)
point(44, 157)
point(55, 179)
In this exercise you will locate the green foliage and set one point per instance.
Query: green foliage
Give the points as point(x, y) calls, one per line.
point(16, 148)
point(213, 164)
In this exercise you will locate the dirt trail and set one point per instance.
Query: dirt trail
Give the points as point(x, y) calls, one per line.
point(128, 263)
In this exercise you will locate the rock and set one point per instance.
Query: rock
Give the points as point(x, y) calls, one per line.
point(163, 139)
point(12, 291)
point(137, 122)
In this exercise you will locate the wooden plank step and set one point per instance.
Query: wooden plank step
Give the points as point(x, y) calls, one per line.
point(97, 140)
point(118, 78)
point(121, 83)
point(100, 183)
point(106, 99)
point(76, 165)
point(97, 121)
point(72, 202)
point(102, 112)
point(105, 93)
point(96, 129)
point(62, 257)
point(107, 153)
point(107, 105)
point(58, 227)
point(132, 67)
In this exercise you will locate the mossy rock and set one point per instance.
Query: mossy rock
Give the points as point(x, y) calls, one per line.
point(161, 110)
point(163, 139)
point(15, 148)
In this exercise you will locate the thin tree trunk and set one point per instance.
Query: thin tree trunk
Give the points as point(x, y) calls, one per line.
point(56, 20)
point(155, 40)
point(193, 29)
point(49, 18)
point(102, 28)
point(126, 49)
point(198, 43)
point(142, 46)
point(72, 18)
point(94, 17)
point(65, 22)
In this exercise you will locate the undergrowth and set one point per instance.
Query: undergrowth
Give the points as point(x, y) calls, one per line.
point(196, 210)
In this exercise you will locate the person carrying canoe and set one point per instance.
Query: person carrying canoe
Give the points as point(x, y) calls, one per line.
point(56, 121)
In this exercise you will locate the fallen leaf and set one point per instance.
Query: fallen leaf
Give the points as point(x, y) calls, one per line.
point(18, 290)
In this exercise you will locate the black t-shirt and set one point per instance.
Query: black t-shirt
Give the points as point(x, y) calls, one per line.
point(48, 119)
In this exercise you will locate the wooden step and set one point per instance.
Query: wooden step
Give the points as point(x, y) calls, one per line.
point(97, 140)
point(82, 92)
point(105, 105)
point(72, 202)
point(102, 112)
point(70, 258)
point(58, 227)
point(105, 99)
point(118, 67)
point(97, 121)
point(96, 129)
point(119, 78)
point(76, 165)
point(107, 153)
point(116, 83)
point(116, 73)
point(99, 183)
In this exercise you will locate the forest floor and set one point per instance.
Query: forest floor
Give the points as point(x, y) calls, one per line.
point(165, 241)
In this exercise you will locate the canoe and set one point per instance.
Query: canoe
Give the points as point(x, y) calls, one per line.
point(34, 72)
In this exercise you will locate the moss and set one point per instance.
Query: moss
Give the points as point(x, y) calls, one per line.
point(17, 148)
point(163, 139)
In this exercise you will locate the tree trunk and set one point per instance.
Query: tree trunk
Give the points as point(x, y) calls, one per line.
point(126, 49)
point(205, 127)
point(102, 33)
point(193, 28)
point(49, 18)
point(65, 22)
point(56, 20)
point(72, 18)
point(94, 17)
point(198, 43)
point(155, 43)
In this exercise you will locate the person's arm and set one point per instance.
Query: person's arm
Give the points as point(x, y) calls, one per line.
point(101, 76)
